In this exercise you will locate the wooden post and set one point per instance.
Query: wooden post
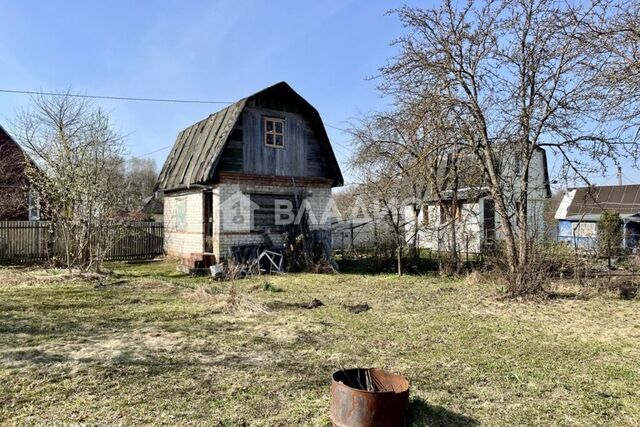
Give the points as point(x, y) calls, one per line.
point(351, 228)
point(609, 261)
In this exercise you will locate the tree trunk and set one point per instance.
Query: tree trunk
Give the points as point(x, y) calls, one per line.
point(399, 255)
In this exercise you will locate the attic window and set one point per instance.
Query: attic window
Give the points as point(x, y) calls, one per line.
point(274, 132)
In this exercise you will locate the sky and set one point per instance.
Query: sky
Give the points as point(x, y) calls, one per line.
point(329, 51)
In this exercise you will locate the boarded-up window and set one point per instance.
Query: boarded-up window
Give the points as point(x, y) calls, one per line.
point(448, 211)
point(181, 214)
point(518, 164)
point(272, 211)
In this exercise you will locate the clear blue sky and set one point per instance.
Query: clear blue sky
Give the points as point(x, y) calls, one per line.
point(211, 50)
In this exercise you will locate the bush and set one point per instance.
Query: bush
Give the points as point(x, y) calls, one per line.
point(269, 287)
point(609, 233)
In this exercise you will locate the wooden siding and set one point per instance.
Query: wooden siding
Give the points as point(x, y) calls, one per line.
point(14, 183)
point(226, 142)
point(301, 155)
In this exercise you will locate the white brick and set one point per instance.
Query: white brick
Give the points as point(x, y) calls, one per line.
point(228, 233)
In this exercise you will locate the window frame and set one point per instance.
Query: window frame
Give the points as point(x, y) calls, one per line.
point(264, 204)
point(517, 164)
point(273, 132)
point(33, 202)
point(181, 214)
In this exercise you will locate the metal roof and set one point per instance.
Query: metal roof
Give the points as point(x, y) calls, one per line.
point(198, 148)
point(624, 199)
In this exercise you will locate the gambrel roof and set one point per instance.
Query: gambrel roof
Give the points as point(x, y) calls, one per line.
point(194, 158)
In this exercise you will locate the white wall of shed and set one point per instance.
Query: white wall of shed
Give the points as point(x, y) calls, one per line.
point(183, 242)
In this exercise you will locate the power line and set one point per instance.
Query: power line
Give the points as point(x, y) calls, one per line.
point(118, 98)
point(344, 151)
point(340, 129)
point(140, 99)
point(155, 151)
point(134, 98)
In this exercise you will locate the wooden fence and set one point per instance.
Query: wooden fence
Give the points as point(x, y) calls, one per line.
point(32, 241)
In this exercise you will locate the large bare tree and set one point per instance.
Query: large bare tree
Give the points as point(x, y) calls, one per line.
point(613, 32)
point(416, 144)
point(516, 78)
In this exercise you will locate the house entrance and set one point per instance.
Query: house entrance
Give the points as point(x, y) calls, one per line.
point(208, 222)
point(489, 222)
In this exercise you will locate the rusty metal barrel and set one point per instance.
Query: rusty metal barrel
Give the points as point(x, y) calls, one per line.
point(368, 398)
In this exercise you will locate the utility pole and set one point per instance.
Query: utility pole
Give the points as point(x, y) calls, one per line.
point(619, 175)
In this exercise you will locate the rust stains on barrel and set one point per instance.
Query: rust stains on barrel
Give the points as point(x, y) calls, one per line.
point(368, 398)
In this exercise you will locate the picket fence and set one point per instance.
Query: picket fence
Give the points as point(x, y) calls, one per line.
point(32, 241)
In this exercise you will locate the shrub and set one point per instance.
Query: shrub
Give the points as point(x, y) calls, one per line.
point(268, 286)
point(609, 233)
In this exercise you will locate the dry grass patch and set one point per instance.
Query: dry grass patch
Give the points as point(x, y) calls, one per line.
point(163, 348)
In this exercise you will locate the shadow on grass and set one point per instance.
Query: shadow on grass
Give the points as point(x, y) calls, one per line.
point(372, 265)
point(33, 356)
point(423, 414)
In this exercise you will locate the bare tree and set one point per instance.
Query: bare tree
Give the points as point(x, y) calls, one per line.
point(140, 180)
point(79, 157)
point(388, 159)
point(383, 196)
point(418, 143)
point(516, 79)
point(612, 31)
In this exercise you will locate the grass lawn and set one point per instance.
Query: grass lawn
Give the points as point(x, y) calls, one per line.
point(161, 348)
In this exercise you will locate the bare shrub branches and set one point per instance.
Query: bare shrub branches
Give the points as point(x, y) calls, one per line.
point(510, 79)
point(79, 164)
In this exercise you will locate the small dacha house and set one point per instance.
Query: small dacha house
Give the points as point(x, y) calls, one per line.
point(477, 222)
point(240, 176)
point(581, 208)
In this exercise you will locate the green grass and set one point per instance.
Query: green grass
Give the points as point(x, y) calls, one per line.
point(162, 348)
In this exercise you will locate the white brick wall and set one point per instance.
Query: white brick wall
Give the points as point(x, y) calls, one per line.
point(232, 217)
point(190, 240)
point(437, 236)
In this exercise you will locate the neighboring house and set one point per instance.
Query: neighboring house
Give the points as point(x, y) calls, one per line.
point(153, 208)
point(581, 208)
point(17, 201)
point(229, 176)
point(477, 221)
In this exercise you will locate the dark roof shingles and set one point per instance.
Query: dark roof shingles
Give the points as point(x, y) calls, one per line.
point(624, 199)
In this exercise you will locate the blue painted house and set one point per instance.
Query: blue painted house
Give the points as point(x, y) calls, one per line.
point(581, 208)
